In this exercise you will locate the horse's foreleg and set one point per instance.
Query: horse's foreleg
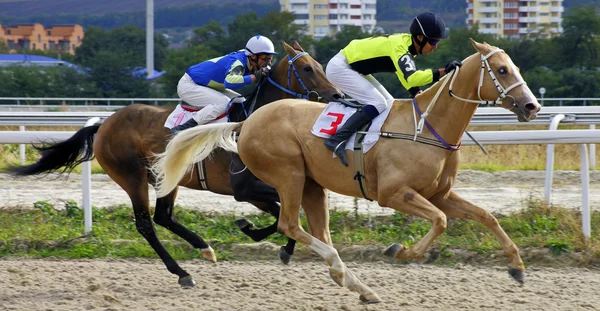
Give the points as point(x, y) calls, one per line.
point(409, 201)
point(163, 215)
point(457, 207)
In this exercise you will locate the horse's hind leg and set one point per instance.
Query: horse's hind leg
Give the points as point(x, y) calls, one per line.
point(131, 174)
point(163, 215)
point(285, 252)
point(314, 203)
point(457, 207)
point(247, 188)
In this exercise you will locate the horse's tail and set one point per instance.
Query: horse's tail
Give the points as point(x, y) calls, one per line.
point(188, 147)
point(66, 154)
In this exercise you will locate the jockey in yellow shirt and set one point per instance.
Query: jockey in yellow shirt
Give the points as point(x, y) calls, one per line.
point(350, 70)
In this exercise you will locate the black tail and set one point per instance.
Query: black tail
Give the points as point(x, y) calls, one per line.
point(66, 154)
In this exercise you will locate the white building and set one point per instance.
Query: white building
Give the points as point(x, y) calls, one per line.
point(517, 18)
point(326, 17)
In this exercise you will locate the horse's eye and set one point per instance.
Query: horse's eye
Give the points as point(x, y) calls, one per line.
point(308, 69)
point(502, 70)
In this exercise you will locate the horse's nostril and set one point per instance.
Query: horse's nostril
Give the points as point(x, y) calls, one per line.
point(532, 106)
point(337, 95)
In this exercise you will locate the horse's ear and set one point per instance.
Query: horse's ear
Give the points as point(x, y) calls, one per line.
point(297, 46)
point(290, 50)
point(478, 46)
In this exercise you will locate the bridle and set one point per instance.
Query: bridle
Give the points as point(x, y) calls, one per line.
point(291, 67)
point(503, 92)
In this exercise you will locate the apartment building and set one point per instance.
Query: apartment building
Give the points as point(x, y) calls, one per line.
point(326, 17)
point(517, 19)
point(62, 38)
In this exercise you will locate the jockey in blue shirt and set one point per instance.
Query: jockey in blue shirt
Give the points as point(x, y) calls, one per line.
point(208, 85)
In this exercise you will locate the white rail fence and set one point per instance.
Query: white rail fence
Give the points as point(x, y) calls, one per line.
point(484, 116)
point(113, 103)
point(581, 137)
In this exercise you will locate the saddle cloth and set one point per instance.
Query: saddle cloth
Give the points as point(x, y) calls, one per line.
point(336, 114)
point(183, 113)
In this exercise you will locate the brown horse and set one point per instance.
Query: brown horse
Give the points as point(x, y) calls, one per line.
point(277, 145)
point(126, 142)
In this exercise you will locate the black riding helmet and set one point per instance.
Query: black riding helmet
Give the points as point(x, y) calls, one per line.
point(430, 26)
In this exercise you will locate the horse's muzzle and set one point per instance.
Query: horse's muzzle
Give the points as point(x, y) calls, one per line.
point(527, 112)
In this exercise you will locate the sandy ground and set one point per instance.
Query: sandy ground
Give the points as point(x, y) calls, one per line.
point(498, 192)
point(143, 284)
point(268, 285)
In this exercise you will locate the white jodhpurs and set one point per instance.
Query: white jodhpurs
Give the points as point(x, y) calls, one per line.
point(213, 103)
point(365, 89)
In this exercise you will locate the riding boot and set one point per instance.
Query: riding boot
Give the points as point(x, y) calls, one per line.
point(337, 142)
point(184, 126)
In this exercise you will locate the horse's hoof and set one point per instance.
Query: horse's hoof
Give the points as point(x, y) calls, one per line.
point(284, 256)
point(243, 224)
point(392, 250)
point(187, 282)
point(208, 254)
point(517, 275)
point(338, 277)
point(370, 298)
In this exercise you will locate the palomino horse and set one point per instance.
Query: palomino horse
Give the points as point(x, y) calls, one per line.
point(126, 142)
point(277, 145)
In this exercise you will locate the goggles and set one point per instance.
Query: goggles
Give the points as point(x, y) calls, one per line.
point(265, 57)
point(433, 42)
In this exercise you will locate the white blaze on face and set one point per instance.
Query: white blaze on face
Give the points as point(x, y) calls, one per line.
point(527, 92)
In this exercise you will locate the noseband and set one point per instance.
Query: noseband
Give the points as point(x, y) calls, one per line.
point(292, 67)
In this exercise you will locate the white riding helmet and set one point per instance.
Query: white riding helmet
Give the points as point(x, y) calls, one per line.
point(259, 45)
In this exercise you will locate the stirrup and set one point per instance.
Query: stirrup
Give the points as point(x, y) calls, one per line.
point(341, 152)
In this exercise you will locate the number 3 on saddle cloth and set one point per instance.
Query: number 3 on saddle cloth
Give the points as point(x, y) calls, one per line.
point(336, 114)
point(182, 113)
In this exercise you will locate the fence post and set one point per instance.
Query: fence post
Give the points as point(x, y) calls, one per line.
point(22, 147)
point(86, 176)
point(585, 189)
point(592, 151)
point(550, 160)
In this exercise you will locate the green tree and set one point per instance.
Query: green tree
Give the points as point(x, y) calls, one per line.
point(579, 41)
point(275, 25)
point(110, 58)
point(179, 61)
point(3, 47)
point(328, 47)
point(33, 81)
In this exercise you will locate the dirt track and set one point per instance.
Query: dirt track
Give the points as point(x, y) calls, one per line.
point(142, 284)
point(268, 285)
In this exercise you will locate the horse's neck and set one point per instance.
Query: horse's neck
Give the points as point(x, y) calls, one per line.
point(268, 92)
point(449, 116)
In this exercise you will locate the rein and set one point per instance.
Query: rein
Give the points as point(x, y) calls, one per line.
point(292, 67)
point(503, 93)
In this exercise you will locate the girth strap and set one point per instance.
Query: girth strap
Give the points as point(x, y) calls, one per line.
point(359, 166)
point(201, 173)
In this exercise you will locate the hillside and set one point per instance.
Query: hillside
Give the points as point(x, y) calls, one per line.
point(393, 15)
point(27, 8)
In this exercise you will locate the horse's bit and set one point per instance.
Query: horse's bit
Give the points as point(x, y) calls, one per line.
point(291, 67)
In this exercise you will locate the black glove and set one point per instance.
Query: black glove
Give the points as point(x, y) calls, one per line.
point(452, 65)
point(263, 71)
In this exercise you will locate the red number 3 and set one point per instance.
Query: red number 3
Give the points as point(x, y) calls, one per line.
point(334, 125)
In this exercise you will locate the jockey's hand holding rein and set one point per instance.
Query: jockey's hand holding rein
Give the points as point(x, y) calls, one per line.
point(263, 67)
point(449, 67)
